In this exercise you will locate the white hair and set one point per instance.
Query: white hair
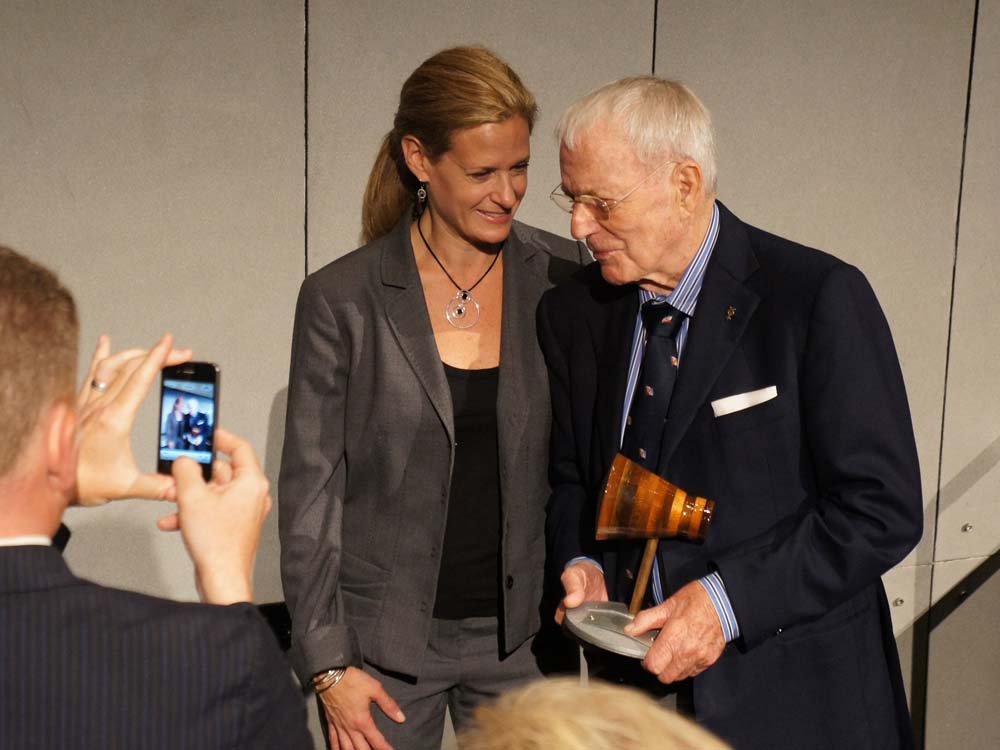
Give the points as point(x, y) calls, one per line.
point(660, 119)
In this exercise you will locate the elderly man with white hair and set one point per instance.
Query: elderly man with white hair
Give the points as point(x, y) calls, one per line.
point(749, 370)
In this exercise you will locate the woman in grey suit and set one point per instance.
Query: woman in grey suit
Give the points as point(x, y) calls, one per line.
point(172, 434)
point(413, 479)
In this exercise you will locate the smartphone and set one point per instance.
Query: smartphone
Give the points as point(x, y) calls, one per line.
point(189, 411)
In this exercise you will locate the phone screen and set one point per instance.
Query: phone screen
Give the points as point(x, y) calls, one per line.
point(188, 413)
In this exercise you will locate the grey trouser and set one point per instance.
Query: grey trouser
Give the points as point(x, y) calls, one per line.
point(461, 669)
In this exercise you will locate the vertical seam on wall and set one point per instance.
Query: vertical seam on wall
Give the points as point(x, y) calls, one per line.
point(656, 27)
point(921, 679)
point(305, 139)
point(954, 267)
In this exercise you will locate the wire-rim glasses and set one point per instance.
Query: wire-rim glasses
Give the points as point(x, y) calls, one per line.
point(601, 207)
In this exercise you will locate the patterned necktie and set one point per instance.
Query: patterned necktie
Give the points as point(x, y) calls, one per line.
point(644, 427)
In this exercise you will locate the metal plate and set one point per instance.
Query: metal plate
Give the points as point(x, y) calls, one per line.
point(602, 624)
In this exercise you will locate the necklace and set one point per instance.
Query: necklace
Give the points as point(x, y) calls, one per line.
point(462, 310)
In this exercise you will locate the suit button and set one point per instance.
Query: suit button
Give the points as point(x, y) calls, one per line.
point(510, 582)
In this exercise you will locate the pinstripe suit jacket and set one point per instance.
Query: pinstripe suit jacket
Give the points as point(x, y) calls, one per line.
point(84, 666)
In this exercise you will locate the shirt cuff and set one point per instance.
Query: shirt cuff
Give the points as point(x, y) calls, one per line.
point(585, 559)
point(723, 608)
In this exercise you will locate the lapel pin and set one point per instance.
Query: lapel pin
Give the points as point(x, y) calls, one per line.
point(730, 313)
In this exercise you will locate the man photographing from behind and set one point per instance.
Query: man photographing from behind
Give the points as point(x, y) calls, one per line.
point(87, 666)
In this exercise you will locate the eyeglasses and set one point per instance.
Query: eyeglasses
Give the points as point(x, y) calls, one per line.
point(601, 207)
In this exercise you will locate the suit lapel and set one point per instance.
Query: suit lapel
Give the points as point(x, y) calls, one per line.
point(725, 306)
point(524, 279)
point(406, 313)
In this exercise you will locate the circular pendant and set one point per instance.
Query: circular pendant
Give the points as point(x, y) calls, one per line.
point(462, 311)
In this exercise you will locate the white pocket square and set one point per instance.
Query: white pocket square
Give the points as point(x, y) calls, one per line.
point(723, 406)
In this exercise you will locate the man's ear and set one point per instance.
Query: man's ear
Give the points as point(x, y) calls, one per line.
point(689, 184)
point(61, 449)
point(416, 157)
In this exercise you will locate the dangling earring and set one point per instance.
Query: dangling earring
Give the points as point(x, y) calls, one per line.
point(421, 202)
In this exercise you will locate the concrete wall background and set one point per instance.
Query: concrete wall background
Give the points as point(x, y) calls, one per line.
point(181, 165)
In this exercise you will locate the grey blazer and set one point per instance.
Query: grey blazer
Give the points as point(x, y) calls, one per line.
point(369, 446)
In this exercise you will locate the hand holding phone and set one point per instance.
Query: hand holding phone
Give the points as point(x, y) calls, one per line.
point(107, 468)
point(189, 411)
point(221, 522)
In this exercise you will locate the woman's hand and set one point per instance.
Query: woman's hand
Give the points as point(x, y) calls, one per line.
point(348, 712)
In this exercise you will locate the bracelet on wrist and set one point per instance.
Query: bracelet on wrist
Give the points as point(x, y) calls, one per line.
point(326, 680)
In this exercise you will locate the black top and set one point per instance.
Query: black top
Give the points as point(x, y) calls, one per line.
point(468, 584)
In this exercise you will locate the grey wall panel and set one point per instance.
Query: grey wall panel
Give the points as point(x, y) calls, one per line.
point(969, 472)
point(949, 575)
point(908, 588)
point(151, 153)
point(360, 54)
point(964, 656)
point(840, 125)
point(964, 659)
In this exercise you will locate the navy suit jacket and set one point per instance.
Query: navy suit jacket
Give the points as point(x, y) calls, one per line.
point(197, 426)
point(86, 666)
point(817, 491)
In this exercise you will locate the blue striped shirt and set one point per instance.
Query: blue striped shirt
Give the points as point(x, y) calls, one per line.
point(684, 297)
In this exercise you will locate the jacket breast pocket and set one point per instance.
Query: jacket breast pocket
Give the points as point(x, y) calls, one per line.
point(754, 417)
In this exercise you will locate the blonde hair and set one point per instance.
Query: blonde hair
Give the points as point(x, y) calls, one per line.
point(39, 334)
point(456, 88)
point(562, 714)
point(660, 118)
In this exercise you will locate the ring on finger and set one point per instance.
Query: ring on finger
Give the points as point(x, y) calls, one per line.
point(98, 385)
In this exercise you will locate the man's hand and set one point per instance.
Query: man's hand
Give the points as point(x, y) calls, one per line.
point(583, 582)
point(690, 639)
point(107, 469)
point(221, 521)
point(348, 712)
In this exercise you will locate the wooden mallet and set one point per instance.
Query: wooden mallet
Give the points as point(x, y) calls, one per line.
point(638, 504)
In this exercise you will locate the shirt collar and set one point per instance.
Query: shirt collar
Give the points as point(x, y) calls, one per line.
point(684, 297)
point(27, 540)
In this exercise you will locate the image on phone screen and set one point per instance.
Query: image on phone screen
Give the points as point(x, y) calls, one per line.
point(187, 420)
